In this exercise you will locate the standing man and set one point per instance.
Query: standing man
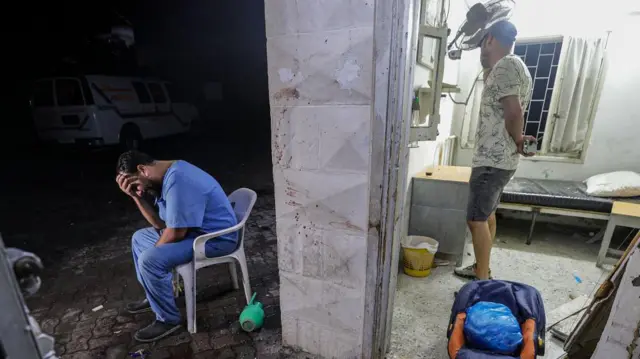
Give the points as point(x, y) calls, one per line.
point(499, 140)
point(190, 203)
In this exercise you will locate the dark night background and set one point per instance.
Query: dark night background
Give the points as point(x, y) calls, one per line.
point(189, 42)
point(58, 198)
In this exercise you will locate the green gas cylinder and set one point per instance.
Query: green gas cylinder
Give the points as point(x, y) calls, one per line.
point(252, 316)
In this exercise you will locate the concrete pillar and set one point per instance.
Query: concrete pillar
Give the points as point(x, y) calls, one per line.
point(320, 59)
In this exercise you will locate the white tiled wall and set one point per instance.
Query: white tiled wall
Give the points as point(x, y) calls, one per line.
point(320, 56)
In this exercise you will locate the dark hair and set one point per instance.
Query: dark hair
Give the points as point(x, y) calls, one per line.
point(130, 160)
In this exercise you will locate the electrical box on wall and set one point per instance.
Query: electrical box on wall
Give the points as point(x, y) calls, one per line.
point(424, 127)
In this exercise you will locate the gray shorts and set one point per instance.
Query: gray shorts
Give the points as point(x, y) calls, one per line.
point(485, 188)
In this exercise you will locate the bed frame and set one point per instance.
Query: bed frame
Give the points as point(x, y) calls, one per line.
point(568, 198)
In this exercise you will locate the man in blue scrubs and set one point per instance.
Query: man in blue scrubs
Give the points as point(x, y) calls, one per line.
point(190, 203)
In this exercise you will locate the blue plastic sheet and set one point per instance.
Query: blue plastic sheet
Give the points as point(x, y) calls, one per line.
point(492, 327)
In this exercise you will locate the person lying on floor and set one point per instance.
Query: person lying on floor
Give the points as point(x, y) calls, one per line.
point(190, 203)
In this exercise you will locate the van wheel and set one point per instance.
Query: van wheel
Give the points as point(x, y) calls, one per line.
point(130, 139)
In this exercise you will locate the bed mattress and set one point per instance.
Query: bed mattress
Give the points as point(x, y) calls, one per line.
point(553, 193)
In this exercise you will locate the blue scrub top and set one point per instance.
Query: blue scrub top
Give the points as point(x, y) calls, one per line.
point(192, 199)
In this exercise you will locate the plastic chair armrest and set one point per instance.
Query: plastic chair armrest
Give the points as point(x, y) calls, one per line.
point(199, 243)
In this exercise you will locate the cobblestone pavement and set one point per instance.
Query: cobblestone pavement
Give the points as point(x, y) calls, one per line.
point(103, 274)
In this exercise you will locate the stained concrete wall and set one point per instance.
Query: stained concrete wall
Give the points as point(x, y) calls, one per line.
point(320, 56)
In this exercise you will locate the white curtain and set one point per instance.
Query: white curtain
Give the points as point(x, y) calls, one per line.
point(575, 94)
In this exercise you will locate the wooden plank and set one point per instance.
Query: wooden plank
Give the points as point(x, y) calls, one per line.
point(626, 209)
point(445, 173)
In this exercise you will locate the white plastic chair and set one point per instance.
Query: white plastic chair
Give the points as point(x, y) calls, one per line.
point(242, 201)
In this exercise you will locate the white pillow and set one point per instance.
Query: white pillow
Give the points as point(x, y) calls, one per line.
point(614, 184)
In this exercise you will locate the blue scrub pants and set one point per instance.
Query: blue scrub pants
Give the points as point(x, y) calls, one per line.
point(154, 265)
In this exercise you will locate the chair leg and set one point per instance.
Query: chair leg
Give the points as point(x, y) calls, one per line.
point(190, 299)
point(245, 275)
point(234, 275)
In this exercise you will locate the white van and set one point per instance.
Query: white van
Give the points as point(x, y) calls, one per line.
point(97, 110)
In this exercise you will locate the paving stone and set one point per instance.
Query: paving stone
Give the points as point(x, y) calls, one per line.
point(93, 354)
point(106, 313)
point(224, 354)
point(181, 351)
point(160, 353)
point(126, 327)
point(123, 319)
point(59, 348)
point(79, 342)
point(99, 342)
point(85, 325)
point(49, 325)
point(117, 352)
point(224, 341)
point(245, 352)
point(65, 327)
point(96, 301)
point(173, 340)
point(63, 338)
point(200, 342)
point(71, 315)
point(206, 355)
point(103, 327)
point(108, 341)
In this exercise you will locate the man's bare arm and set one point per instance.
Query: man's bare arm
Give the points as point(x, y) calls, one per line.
point(514, 122)
point(149, 213)
point(513, 116)
point(170, 235)
point(129, 184)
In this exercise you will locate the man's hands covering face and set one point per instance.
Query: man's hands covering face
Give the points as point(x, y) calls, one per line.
point(130, 185)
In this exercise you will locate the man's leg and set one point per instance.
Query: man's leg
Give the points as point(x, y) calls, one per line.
point(481, 238)
point(492, 225)
point(485, 187)
point(142, 240)
point(155, 266)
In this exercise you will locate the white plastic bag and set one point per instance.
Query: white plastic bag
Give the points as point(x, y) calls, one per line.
point(614, 184)
point(420, 242)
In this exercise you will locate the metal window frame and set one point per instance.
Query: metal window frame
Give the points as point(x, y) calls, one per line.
point(542, 40)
